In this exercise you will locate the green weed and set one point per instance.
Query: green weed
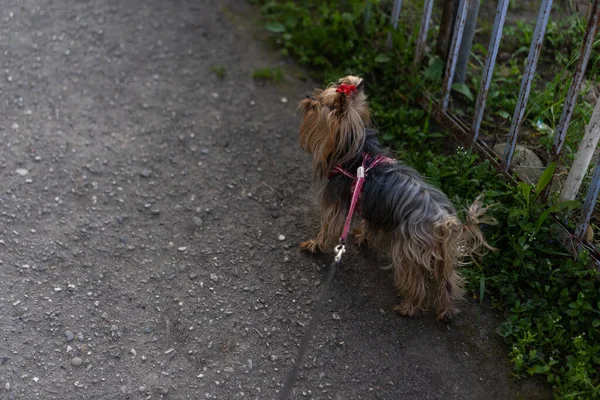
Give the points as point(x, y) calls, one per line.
point(273, 75)
point(218, 70)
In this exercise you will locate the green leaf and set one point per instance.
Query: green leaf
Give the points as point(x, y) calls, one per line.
point(538, 369)
point(275, 27)
point(569, 204)
point(382, 58)
point(434, 71)
point(526, 190)
point(545, 178)
point(464, 90)
point(504, 114)
point(596, 323)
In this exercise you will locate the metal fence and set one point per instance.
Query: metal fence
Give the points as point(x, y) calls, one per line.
point(469, 133)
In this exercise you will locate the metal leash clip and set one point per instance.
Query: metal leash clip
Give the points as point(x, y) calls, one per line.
point(339, 250)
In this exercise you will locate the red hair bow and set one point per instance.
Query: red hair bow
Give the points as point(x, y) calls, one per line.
point(347, 89)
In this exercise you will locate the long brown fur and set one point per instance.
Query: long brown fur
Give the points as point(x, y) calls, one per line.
point(428, 243)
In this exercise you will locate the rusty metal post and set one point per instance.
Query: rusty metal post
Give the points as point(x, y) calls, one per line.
point(446, 25)
point(588, 204)
point(422, 40)
point(464, 53)
point(459, 26)
point(530, 66)
point(490, 62)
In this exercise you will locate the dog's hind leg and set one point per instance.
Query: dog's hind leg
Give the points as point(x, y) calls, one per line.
point(449, 283)
point(448, 292)
point(411, 282)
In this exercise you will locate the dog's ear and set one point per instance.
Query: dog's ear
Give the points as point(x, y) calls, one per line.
point(307, 103)
point(304, 104)
point(341, 102)
point(361, 86)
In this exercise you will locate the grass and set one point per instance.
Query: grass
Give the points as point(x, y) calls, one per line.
point(218, 70)
point(267, 74)
point(550, 301)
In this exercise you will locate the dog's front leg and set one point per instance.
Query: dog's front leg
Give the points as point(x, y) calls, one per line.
point(315, 245)
point(332, 223)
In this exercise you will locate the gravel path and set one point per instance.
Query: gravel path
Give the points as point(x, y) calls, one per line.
point(150, 214)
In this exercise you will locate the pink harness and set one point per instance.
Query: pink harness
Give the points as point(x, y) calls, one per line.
point(368, 163)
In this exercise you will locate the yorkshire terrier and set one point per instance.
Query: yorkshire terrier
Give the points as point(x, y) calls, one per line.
point(412, 221)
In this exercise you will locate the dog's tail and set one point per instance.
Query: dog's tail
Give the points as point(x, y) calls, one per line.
point(459, 242)
point(472, 242)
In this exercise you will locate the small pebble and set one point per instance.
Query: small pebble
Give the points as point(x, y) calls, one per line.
point(214, 277)
point(21, 171)
point(120, 219)
point(335, 316)
point(124, 389)
point(164, 391)
point(69, 335)
point(114, 328)
point(146, 173)
point(133, 352)
point(142, 389)
point(7, 386)
point(76, 361)
point(281, 238)
point(284, 100)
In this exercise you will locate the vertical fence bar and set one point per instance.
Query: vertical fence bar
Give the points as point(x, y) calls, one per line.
point(530, 66)
point(571, 99)
point(464, 52)
point(394, 19)
point(459, 27)
point(584, 56)
point(585, 153)
point(396, 13)
point(422, 40)
point(588, 204)
point(367, 12)
point(490, 62)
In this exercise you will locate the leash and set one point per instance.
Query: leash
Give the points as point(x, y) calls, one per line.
point(312, 326)
point(339, 250)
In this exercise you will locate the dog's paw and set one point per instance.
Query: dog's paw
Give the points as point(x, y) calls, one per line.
point(309, 246)
point(447, 314)
point(407, 309)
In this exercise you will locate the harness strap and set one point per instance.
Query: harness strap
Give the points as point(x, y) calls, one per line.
point(357, 186)
point(360, 179)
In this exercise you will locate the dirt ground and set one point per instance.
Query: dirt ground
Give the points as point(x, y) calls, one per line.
point(150, 214)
